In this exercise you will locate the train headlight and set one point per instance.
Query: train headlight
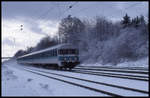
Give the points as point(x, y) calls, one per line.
point(65, 59)
point(76, 58)
point(70, 59)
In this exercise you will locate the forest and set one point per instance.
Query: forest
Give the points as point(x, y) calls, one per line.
point(101, 40)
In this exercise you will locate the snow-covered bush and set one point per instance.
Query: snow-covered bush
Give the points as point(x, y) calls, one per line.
point(130, 45)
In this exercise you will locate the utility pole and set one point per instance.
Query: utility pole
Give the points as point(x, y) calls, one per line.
point(59, 41)
point(14, 42)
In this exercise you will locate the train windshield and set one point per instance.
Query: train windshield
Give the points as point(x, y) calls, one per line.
point(68, 51)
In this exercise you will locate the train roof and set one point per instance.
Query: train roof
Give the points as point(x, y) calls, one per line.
point(43, 50)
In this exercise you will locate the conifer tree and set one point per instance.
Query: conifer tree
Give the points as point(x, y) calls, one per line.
point(126, 21)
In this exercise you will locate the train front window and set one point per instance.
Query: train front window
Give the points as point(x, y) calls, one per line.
point(68, 51)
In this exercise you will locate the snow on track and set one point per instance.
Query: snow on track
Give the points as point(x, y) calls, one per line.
point(143, 85)
point(50, 90)
point(115, 70)
point(121, 73)
point(42, 86)
point(113, 90)
point(116, 67)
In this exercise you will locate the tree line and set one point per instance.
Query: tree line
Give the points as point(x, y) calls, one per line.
point(101, 40)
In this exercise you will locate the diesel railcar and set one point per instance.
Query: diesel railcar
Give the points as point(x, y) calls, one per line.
point(61, 56)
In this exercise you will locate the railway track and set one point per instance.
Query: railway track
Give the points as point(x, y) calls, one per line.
point(75, 84)
point(115, 70)
point(99, 73)
point(106, 85)
point(120, 73)
point(110, 75)
point(111, 72)
point(127, 88)
point(111, 67)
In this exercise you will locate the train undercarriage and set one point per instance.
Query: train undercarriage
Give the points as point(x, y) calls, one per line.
point(65, 65)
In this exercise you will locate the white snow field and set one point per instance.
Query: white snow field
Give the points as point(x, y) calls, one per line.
point(18, 82)
point(144, 63)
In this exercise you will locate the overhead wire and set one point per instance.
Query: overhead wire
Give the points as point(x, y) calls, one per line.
point(60, 15)
point(43, 16)
point(68, 8)
point(130, 6)
point(46, 13)
point(113, 13)
point(40, 17)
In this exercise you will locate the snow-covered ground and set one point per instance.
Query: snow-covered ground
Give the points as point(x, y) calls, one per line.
point(17, 82)
point(139, 63)
point(110, 80)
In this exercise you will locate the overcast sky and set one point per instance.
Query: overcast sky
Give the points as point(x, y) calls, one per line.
point(42, 18)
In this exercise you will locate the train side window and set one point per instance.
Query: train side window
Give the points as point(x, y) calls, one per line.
point(48, 54)
point(52, 52)
point(65, 51)
point(56, 52)
point(60, 51)
point(77, 51)
point(44, 54)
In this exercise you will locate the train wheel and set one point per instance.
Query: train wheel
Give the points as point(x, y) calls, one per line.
point(70, 69)
point(65, 68)
point(60, 68)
